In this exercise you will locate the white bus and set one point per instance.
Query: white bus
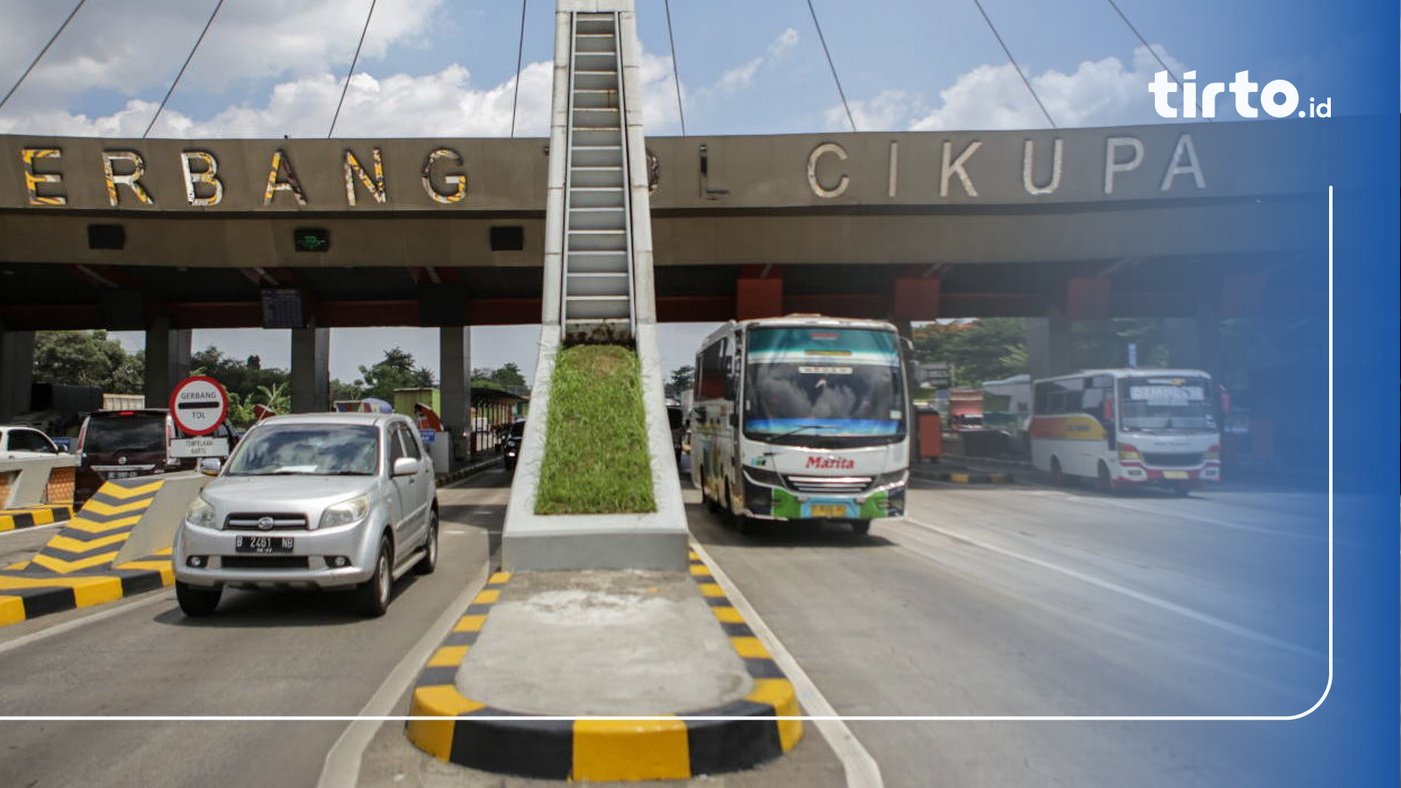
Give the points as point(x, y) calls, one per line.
point(801, 418)
point(1124, 427)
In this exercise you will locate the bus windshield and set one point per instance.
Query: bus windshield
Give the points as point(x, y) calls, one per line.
point(820, 386)
point(1153, 403)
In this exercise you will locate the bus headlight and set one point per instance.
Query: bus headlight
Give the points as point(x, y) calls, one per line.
point(889, 479)
point(1128, 453)
point(763, 476)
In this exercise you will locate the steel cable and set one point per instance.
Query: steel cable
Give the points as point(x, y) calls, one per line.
point(184, 66)
point(356, 59)
point(40, 56)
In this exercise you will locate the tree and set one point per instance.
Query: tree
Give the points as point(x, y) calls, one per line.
point(242, 377)
point(79, 358)
point(395, 371)
point(508, 375)
point(681, 380)
point(987, 349)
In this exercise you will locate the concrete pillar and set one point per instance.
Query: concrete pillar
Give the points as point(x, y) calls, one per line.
point(1195, 342)
point(16, 372)
point(167, 360)
point(311, 370)
point(1048, 346)
point(455, 376)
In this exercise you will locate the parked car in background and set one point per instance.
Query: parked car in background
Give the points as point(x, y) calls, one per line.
point(22, 442)
point(511, 449)
point(120, 444)
point(325, 501)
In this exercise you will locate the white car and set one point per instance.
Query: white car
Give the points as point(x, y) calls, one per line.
point(327, 500)
point(17, 443)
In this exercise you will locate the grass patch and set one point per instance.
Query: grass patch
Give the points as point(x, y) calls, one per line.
point(596, 458)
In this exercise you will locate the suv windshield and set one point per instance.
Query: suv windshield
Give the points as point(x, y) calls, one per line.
point(134, 433)
point(823, 386)
point(308, 449)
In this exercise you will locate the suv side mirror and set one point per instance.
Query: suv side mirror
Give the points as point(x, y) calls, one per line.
point(209, 466)
point(406, 466)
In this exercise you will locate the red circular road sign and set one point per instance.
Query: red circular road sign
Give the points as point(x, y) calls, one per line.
point(199, 404)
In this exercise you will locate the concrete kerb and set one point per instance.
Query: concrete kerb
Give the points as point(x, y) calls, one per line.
point(468, 471)
point(87, 563)
point(33, 516)
point(470, 733)
point(962, 476)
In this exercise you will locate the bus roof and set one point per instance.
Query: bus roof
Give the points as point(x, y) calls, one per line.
point(796, 320)
point(1130, 372)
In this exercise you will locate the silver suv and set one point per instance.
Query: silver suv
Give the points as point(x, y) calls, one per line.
point(327, 500)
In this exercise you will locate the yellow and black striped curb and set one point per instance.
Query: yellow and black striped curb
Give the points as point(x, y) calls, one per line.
point(75, 568)
point(605, 749)
point(31, 516)
point(964, 477)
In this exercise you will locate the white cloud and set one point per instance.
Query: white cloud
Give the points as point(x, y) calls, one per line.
point(739, 77)
point(785, 42)
point(445, 103)
point(135, 52)
point(1098, 93)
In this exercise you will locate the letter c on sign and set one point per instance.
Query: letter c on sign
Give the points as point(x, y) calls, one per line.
point(817, 187)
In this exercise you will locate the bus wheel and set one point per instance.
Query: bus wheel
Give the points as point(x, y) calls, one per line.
point(1057, 475)
point(861, 527)
point(746, 525)
point(1105, 483)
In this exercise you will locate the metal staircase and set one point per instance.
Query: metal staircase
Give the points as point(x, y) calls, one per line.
point(597, 287)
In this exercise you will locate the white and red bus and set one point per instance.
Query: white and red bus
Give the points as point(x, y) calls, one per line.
point(1125, 427)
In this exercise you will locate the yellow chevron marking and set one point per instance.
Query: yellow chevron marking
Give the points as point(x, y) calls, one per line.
point(11, 610)
point(17, 566)
point(64, 567)
point(118, 491)
point(88, 526)
point(609, 750)
point(448, 657)
point(487, 597)
point(86, 590)
point(470, 624)
point(167, 571)
point(435, 736)
point(498, 578)
point(779, 694)
point(71, 545)
point(727, 615)
point(700, 570)
point(98, 507)
point(164, 551)
point(7, 522)
point(712, 590)
point(749, 648)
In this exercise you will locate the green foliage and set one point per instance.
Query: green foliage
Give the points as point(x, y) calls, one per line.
point(682, 379)
point(1104, 344)
point(396, 371)
point(86, 358)
point(988, 349)
point(245, 377)
point(596, 458)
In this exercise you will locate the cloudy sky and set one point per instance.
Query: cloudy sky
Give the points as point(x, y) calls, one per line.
point(438, 68)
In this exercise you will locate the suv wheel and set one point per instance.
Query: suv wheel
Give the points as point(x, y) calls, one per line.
point(196, 602)
point(372, 596)
point(429, 561)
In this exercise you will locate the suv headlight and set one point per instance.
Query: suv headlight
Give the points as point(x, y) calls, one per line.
point(887, 479)
point(345, 512)
point(200, 513)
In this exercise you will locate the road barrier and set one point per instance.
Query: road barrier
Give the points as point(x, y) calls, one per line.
point(117, 545)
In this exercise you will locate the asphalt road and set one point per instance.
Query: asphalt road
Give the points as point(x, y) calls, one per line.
point(1024, 600)
point(982, 602)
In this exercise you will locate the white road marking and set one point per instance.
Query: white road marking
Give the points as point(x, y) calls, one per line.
point(68, 626)
point(1147, 599)
point(861, 769)
point(342, 764)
